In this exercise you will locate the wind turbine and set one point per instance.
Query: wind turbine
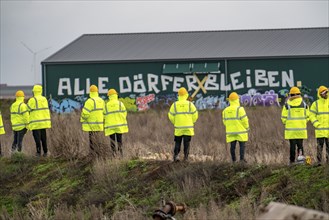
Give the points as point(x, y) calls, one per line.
point(34, 53)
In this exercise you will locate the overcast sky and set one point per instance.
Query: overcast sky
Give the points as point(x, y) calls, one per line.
point(37, 29)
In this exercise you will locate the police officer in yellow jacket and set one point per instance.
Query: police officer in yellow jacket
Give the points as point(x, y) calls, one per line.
point(39, 119)
point(319, 116)
point(294, 116)
point(115, 120)
point(92, 117)
point(236, 124)
point(19, 117)
point(183, 115)
point(2, 131)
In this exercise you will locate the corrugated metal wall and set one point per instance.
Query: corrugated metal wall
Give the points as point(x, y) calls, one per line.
point(258, 81)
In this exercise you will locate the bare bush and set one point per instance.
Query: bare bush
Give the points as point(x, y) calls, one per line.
point(66, 137)
point(106, 172)
point(39, 209)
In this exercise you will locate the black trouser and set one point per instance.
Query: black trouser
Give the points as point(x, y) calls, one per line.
point(40, 136)
point(293, 143)
point(232, 149)
point(18, 140)
point(116, 138)
point(0, 149)
point(178, 141)
point(93, 143)
point(320, 144)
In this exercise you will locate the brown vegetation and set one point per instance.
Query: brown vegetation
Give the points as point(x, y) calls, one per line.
point(151, 133)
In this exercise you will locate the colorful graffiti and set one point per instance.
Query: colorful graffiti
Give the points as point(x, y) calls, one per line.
point(163, 101)
point(64, 106)
point(306, 93)
point(129, 104)
point(255, 98)
point(144, 102)
point(210, 102)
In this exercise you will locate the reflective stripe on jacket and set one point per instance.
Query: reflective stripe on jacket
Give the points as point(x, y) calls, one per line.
point(319, 117)
point(294, 116)
point(183, 114)
point(39, 112)
point(19, 115)
point(236, 122)
point(115, 116)
point(2, 128)
point(92, 113)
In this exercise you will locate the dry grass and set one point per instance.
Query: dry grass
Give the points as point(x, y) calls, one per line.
point(244, 210)
point(151, 132)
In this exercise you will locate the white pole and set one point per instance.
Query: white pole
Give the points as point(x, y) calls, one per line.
point(34, 69)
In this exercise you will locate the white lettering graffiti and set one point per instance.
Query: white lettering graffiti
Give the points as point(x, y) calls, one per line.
point(139, 86)
point(286, 79)
point(211, 83)
point(260, 78)
point(235, 81)
point(101, 86)
point(165, 81)
point(248, 79)
point(191, 81)
point(122, 81)
point(223, 85)
point(153, 83)
point(177, 83)
point(77, 90)
point(64, 84)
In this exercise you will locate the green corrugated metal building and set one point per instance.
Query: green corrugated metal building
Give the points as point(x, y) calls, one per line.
point(147, 69)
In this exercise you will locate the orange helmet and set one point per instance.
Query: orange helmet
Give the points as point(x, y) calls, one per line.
point(182, 91)
point(294, 90)
point(93, 88)
point(322, 89)
point(233, 96)
point(19, 93)
point(111, 92)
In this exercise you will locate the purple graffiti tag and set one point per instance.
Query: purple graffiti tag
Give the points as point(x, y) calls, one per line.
point(254, 98)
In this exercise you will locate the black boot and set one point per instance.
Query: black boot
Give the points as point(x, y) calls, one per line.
point(176, 159)
point(13, 148)
point(186, 156)
point(120, 149)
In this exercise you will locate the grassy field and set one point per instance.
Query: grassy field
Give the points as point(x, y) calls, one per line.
point(151, 133)
point(69, 184)
point(50, 188)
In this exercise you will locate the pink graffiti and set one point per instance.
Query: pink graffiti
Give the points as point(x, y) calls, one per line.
point(142, 102)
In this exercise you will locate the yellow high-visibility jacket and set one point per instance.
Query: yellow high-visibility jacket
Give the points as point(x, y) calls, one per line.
point(92, 113)
point(319, 116)
point(294, 116)
point(236, 122)
point(2, 128)
point(39, 112)
point(115, 116)
point(183, 114)
point(19, 115)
